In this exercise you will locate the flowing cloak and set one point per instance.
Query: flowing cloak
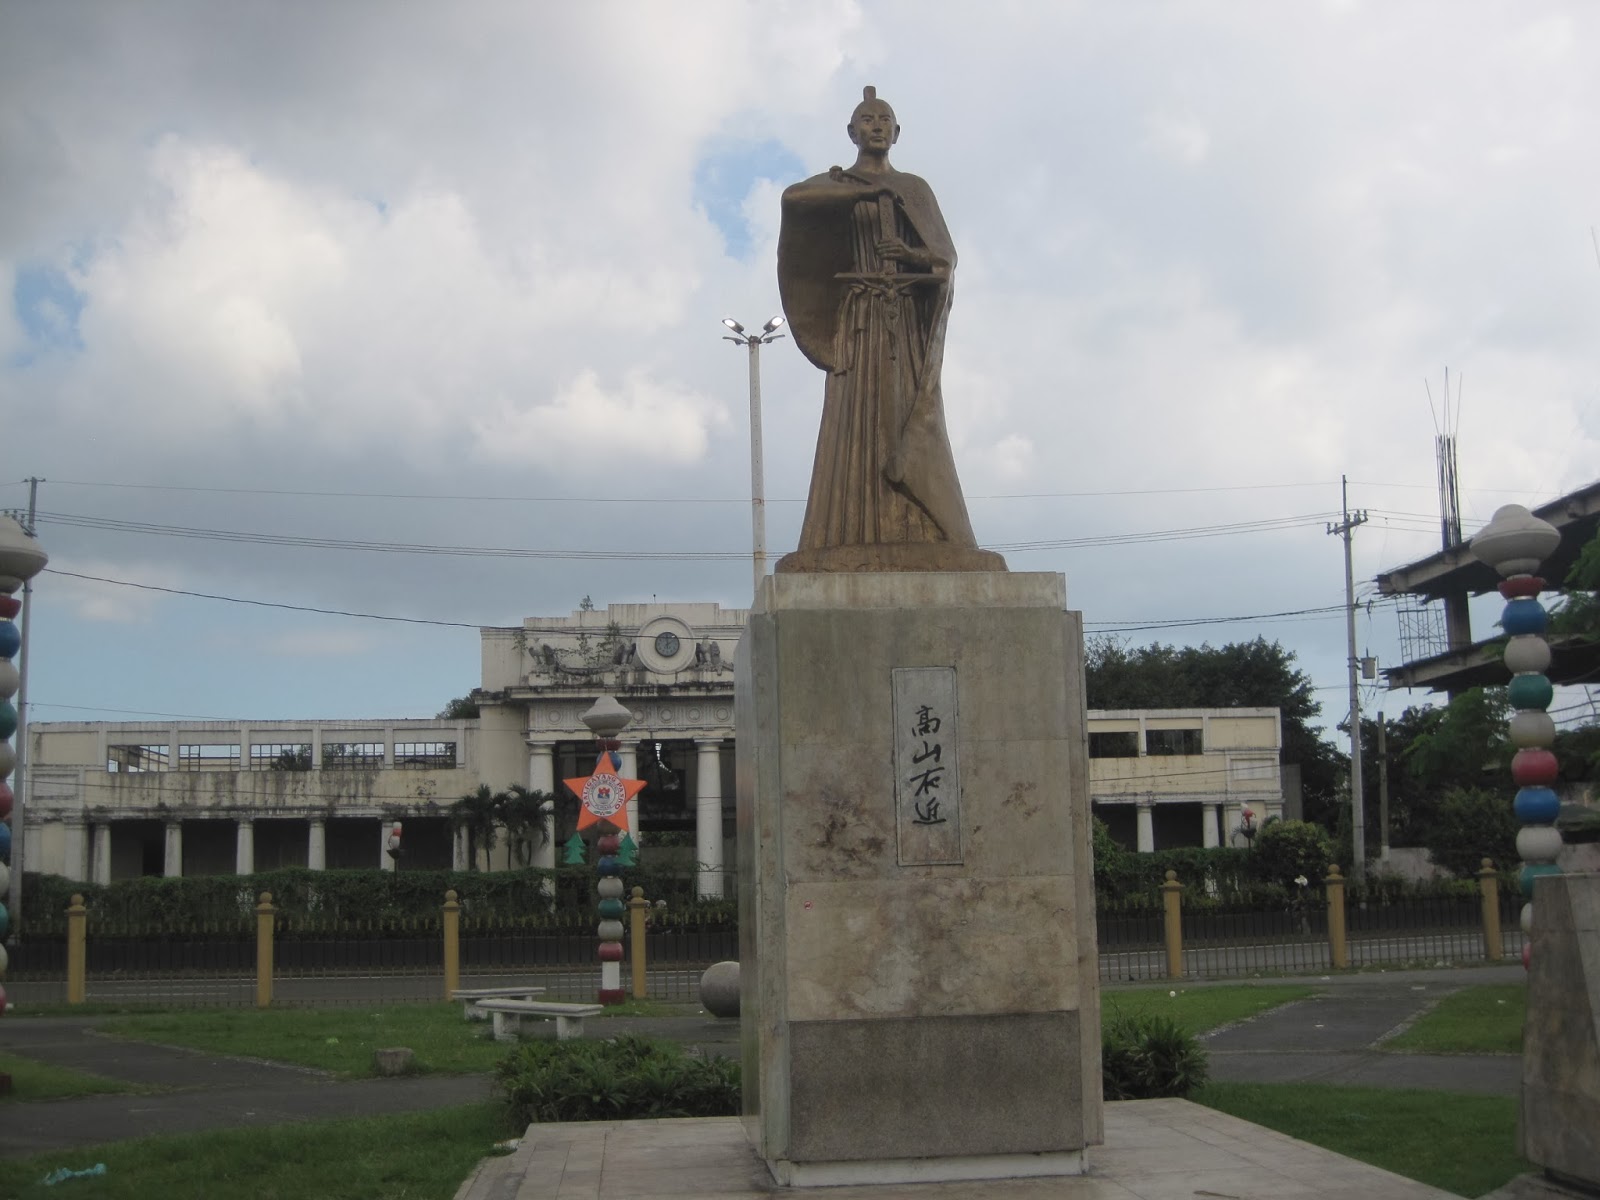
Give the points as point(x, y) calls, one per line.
point(817, 244)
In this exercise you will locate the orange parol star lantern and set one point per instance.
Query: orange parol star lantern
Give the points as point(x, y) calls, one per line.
point(604, 794)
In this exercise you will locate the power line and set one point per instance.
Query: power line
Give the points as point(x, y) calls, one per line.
point(303, 541)
point(331, 612)
point(497, 499)
point(1179, 622)
point(500, 499)
point(1188, 621)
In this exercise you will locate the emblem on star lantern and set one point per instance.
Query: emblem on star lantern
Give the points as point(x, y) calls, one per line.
point(604, 794)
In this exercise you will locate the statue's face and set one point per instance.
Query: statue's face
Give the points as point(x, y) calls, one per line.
point(872, 126)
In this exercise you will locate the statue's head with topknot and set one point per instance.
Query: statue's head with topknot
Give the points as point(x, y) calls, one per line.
point(872, 121)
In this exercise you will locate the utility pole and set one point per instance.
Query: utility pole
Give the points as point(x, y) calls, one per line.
point(1358, 833)
point(1383, 791)
point(19, 803)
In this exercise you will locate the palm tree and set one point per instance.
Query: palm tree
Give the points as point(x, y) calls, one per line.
point(517, 810)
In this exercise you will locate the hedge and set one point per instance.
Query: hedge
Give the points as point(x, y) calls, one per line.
point(369, 900)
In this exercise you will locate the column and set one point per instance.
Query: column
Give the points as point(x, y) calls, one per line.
point(1209, 813)
point(317, 845)
point(542, 778)
point(458, 850)
point(172, 863)
point(316, 747)
point(630, 770)
point(100, 865)
point(1147, 826)
point(244, 847)
point(75, 851)
point(384, 859)
point(708, 817)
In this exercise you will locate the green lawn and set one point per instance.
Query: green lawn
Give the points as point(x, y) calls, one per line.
point(1200, 1009)
point(1463, 1144)
point(335, 1039)
point(416, 1156)
point(342, 1039)
point(32, 1080)
point(1486, 1019)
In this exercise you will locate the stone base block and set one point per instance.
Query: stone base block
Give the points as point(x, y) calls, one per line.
point(950, 1169)
point(1559, 1128)
point(919, 983)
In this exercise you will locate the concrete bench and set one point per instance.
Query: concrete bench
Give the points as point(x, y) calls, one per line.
point(469, 997)
point(509, 1014)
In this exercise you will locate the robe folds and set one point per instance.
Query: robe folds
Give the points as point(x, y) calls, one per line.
point(884, 474)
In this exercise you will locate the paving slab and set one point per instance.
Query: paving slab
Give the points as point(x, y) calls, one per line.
point(1336, 1038)
point(1155, 1150)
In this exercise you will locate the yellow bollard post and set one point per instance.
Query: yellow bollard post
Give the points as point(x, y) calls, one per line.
point(1489, 885)
point(1338, 942)
point(637, 907)
point(452, 944)
point(1172, 901)
point(266, 918)
point(77, 984)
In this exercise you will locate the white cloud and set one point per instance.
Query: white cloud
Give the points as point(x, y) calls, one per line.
point(90, 599)
point(347, 642)
point(1182, 138)
point(613, 434)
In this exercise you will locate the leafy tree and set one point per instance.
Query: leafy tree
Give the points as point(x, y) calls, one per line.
point(1473, 824)
point(1578, 752)
point(1466, 745)
point(1257, 673)
point(1413, 795)
point(1580, 610)
point(462, 708)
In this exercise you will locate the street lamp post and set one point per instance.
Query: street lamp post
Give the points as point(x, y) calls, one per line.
point(758, 501)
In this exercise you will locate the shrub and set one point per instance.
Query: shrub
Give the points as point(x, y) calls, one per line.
point(1287, 849)
point(1126, 879)
point(1147, 1056)
point(626, 1078)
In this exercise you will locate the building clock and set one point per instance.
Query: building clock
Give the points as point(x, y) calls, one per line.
point(667, 644)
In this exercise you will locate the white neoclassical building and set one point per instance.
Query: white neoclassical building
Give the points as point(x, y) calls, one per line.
point(108, 801)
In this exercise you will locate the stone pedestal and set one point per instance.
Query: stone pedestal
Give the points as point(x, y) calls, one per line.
point(1559, 1128)
point(919, 986)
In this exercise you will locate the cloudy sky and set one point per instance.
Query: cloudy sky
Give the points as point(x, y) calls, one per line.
point(450, 275)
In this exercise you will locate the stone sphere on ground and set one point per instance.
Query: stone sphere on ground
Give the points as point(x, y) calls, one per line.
point(719, 989)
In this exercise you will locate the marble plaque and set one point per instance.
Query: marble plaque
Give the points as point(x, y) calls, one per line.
point(927, 780)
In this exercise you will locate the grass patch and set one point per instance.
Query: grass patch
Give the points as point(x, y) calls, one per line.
point(1463, 1144)
point(1486, 1019)
point(340, 1040)
point(95, 1008)
point(415, 1156)
point(1197, 1010)
point(32, 1080)
point(649, 1008)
